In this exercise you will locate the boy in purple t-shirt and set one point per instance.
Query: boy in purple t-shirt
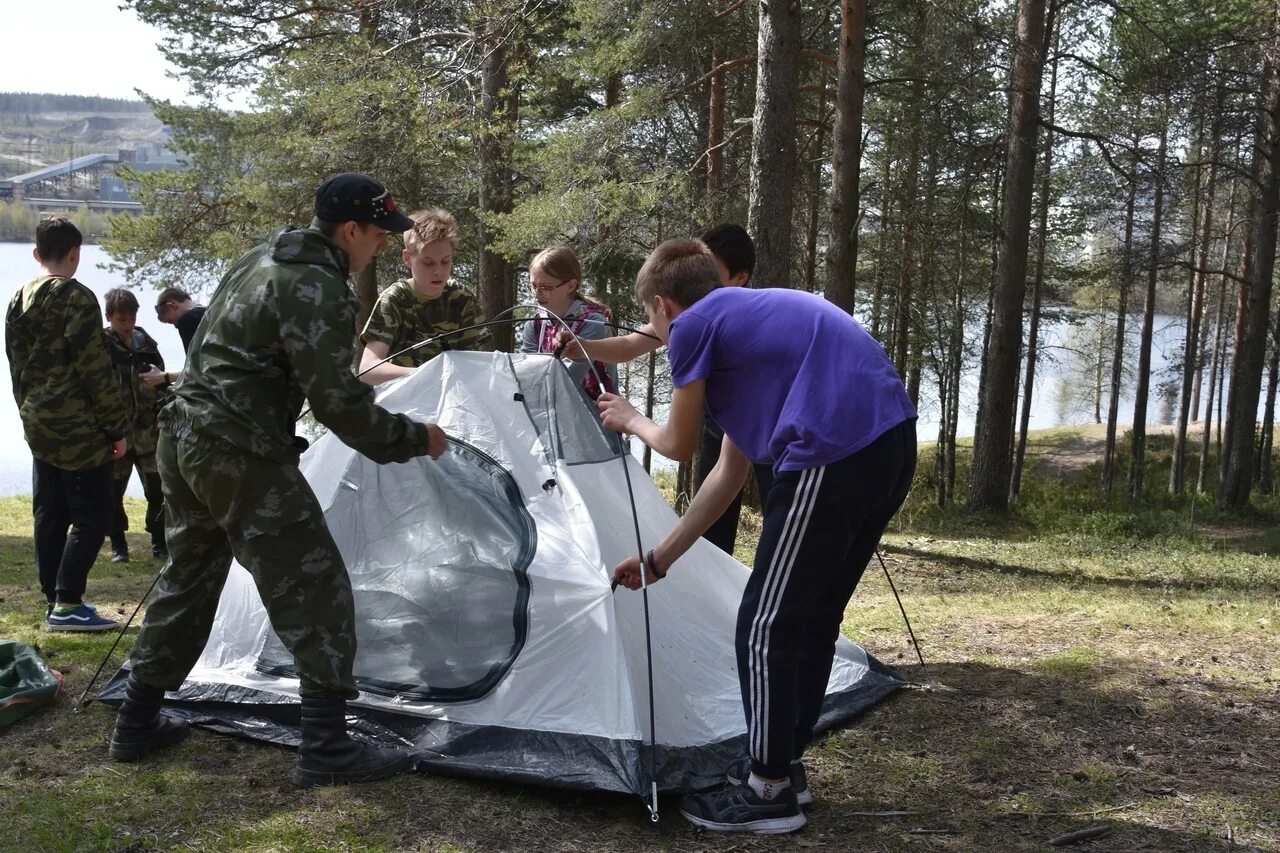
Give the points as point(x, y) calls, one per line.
point(798, 384)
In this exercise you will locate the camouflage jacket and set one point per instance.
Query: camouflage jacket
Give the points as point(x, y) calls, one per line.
point(402, 318)
point(63, 383)
point(141, 401)
point(279, 331)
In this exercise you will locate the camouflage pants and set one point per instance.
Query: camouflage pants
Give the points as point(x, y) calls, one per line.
point(221, 503)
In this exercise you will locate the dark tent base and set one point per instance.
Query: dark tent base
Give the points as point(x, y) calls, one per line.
point(555, 759)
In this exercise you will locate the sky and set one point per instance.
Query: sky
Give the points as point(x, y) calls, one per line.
point(83, 47)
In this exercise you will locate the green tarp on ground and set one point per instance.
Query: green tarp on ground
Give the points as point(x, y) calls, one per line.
point(26, 682)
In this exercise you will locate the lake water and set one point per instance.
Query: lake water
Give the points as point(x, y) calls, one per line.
point(1063, 394)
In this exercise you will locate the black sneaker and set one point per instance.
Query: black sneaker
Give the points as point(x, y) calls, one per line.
point(738, 809)
point(159, 551)
point(739, 771)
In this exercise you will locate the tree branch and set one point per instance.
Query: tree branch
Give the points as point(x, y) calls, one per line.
point(818, 56)
point(1097, 140)
point(737, 131)
point(727, 65)
point(430, 37)
point(730, 9)
point(1187, 265)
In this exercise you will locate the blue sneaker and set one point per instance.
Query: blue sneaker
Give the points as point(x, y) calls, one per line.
point(82, 618)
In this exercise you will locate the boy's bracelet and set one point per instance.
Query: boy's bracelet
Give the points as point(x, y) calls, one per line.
point(653, 565)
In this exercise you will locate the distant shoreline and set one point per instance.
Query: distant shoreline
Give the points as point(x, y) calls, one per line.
point(89, 239)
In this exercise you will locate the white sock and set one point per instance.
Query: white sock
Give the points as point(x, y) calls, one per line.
point(766, 790)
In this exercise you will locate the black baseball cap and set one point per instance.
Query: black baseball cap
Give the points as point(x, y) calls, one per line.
point(356, 197)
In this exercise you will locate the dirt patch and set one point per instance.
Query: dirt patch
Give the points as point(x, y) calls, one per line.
point(1067, 458)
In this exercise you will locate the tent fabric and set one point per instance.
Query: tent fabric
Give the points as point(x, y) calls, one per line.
point(26, 682)
point(489, 640)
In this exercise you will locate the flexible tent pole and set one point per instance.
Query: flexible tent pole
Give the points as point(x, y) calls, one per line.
point(652, 804)
point(889, 578)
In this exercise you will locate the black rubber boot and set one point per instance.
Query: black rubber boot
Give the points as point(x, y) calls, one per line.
point(328, 756)
point(140, 727)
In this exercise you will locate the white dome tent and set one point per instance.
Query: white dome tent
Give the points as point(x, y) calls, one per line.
point(489, 639)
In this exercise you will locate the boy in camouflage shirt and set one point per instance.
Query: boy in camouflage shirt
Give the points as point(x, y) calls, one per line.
point(139, 370)
point(73, 418)
point(423, 306)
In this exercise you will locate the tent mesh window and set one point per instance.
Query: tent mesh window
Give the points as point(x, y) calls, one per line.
point(438, 553)
point(570, 431)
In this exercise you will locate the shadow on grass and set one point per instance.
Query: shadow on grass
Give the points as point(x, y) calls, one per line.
point(1070, 577)
point(1000, 760)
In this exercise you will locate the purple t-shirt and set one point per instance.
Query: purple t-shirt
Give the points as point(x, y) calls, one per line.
point(793, 380)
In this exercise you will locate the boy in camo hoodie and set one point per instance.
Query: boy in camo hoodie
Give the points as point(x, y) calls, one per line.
point(73, 418)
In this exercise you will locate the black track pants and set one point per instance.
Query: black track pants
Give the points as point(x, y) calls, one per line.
point(71, 510)
point(821, 527)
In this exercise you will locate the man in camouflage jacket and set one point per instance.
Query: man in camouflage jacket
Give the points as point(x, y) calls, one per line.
point(73, 418)
point(278, 332)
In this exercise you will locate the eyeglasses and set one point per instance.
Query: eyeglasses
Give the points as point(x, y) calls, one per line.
point(161, 308)
point(544, 289)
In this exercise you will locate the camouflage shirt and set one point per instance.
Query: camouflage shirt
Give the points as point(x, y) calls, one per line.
point(63, 383)
point(402, 318)
point(130, 356)
point(278, 332)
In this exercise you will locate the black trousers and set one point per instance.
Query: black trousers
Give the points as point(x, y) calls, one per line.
point(152, 491)
point(72, 510)
point(821, 528)
point(723, 532)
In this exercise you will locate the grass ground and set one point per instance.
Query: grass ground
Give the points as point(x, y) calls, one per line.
point(1085, 667)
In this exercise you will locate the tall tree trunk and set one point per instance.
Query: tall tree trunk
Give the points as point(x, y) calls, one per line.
point(498, 105)
point(1246, 368)
point(773, 149)
point(993, 436)
point(957, 364)
point(928, 282)
point(366, 287)
point(1138, 446)
point(846, 156)
point(1207, 436)
point(1219, 337)
point(1267, 439)
point(816, 196)
point(1122, 314)
point(910, 187)
point(1037, 286)
point(1195, 314)
point(882, 244)
point(715, 136)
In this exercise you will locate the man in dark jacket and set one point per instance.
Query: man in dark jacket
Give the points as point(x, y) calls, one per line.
point(73, 419)
point(174, 306)
point(279, 331)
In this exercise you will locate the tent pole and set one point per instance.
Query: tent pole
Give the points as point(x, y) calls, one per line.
point(889, 578)
point(80, 703)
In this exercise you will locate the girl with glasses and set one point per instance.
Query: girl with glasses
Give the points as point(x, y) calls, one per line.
point(555, 278)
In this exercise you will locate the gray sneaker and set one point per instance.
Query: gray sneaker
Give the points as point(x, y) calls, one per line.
point(738, 809)
point(739, 771)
